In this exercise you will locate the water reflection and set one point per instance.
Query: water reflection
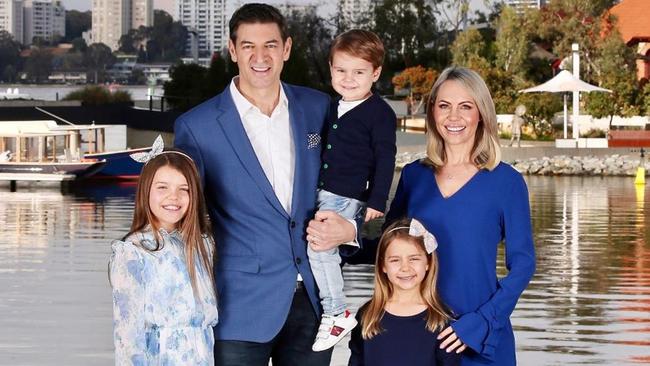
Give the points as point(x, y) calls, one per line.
point(589, 302)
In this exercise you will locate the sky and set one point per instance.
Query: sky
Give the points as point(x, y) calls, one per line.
point(168, 5)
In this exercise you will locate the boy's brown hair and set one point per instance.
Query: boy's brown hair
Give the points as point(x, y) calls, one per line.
point(360, 43)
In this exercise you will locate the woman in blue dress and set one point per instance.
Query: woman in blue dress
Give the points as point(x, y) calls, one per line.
point(164, 303)
point(471, 202)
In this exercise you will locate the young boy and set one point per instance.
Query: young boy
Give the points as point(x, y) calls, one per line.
point(357, 168)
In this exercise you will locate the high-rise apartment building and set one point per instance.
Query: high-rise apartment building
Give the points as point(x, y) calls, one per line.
point(206, 20)
point(11, 18)
point(113, 18)
point(355, 13)
point(44, 19)
point(520, 6)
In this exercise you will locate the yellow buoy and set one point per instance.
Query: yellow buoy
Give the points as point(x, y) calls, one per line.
point(640, 176)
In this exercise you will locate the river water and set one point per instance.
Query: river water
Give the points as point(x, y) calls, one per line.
point(588, 304)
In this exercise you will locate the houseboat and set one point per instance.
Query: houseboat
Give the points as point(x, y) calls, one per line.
point(30, 150)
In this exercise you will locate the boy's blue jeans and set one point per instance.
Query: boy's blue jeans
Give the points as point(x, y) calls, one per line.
point(326, 266)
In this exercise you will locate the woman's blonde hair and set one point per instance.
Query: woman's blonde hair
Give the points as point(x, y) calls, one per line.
point(373, 311)
point(486, 152)
point(193, 226)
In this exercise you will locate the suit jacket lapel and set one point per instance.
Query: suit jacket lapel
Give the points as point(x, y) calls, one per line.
point(232, 127)
point(297, 121)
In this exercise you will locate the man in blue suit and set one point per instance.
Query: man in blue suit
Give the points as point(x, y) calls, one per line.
point(257, 147)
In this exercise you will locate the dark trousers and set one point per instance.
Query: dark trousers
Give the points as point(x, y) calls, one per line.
point(291, 347)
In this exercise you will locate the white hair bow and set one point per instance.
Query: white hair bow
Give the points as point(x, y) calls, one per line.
point(156, 149)
point(417, 229)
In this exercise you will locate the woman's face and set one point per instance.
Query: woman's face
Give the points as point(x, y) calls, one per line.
point(456, 114)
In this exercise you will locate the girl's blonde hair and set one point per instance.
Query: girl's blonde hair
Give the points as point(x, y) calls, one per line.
point(486, 152)
point(373, 311)
point(193, 226)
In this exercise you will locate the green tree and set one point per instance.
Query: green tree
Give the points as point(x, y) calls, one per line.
point(645, 99)
point(98, 57)
point(407, 28)
point(185, 89)
point(76, 22)
point(217, 76)
point(39, 65)
point(170, 36)
point(540, 110)
point(9, 56)
point(616, 70)
point(512, 43)
point(308, 64)
point(470, 50)
point(164, 41)
point(98, 95)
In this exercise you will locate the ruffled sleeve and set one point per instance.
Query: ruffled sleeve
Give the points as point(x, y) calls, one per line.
point(126, 270)
point(481, 330)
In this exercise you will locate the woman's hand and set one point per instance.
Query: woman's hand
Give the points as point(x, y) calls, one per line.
point(451, 341)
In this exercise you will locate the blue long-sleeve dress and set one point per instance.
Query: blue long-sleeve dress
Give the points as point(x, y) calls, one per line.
point(469, 225)
point(156, 318)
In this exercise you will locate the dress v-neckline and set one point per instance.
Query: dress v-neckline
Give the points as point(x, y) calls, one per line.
point(461, 188)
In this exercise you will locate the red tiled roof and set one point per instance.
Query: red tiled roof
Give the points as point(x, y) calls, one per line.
point(633, 19)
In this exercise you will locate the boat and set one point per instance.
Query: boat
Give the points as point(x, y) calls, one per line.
point(119, 164)
point(30, 151)
point(88, 143)
point(13, 94)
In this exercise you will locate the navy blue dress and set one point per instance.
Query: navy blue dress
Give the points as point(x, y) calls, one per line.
point(470, 225)
point(404, 341)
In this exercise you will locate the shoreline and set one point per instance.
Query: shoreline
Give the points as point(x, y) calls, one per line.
point(542, 158)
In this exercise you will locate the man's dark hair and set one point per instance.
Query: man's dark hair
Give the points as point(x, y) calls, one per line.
point(257, 13)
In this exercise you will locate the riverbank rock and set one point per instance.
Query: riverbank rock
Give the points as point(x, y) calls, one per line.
point(612, 165)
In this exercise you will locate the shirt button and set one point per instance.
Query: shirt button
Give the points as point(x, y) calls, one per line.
point(293, 224)
point(335, 126)
point(298, 260)
point(325, 166)
point(329, 147)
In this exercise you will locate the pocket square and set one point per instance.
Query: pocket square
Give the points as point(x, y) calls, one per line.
point(313, 140)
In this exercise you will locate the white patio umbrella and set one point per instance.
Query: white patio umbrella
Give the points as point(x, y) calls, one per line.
point(565, 82)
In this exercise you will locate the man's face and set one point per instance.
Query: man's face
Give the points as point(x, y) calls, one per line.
point(260, 54)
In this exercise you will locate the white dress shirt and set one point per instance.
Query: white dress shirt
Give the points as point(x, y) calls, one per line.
point(272, 141)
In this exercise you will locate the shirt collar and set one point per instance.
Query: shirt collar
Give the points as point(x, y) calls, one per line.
point(244, 106)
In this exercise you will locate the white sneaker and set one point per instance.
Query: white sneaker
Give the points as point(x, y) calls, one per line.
point(332, 329)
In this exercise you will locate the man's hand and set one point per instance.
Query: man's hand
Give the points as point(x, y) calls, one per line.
point(372, 214)
point(328, 230)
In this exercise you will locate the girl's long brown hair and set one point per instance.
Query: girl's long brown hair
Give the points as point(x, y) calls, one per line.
point(373, 311)
point(193, 226)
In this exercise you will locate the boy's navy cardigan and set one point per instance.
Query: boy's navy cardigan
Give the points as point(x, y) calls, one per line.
point(359, 152)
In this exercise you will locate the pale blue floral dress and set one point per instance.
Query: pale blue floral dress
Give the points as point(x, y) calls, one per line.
point(156, 319)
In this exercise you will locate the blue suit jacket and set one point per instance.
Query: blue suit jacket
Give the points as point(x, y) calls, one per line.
point(260, 247)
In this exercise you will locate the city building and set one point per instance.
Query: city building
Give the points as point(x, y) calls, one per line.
point(113, 18)
point(520, 6)
point(43, 19)
point(11, 18)
point(206, 23)
point(355, 13)
point(635, 30)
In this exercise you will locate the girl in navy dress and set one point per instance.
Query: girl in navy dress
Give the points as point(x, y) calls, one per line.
point(473, 203)
point(401, 323)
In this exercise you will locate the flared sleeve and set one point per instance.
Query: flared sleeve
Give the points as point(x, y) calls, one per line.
point(126, 271)
point(481, 330)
